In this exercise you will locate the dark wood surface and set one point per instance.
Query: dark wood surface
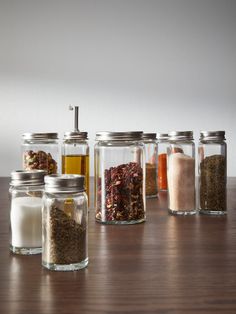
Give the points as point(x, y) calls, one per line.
point(165, 265)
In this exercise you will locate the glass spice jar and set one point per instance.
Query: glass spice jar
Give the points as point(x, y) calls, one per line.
point(65, 223)
point(119, 178)
point(181, 173)
point(150, 142)
point(212, 167)
point(75, 155)
point(40, 151)
point(163, 144)
point(26, 191)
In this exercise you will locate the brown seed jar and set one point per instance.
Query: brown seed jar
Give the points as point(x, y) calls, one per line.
point(119, 178)
point(150, 142)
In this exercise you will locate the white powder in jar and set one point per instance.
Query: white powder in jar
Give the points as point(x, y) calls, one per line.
point(26, 222)
point(181, 182)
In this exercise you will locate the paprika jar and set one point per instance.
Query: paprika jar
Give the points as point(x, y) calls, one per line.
point(163, 144)
point(212, 167)
point(181, 173)
point(119, 178)
point(65, 223)
point(40, 151)
point(26, 191)
point(150, 142)
point(75, 155)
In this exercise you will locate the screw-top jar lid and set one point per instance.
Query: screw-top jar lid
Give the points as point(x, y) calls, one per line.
point(162, 136)
point(68, 183)
point(180, 135)
point(119, 136)
point(40, 136)
point(75, 135)
point(212, 135)
point(27, 177)
point(149, 136)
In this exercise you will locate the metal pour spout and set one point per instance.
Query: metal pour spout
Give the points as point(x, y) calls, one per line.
point(76, 117)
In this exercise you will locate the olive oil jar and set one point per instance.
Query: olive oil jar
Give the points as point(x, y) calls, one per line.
point(75, 155)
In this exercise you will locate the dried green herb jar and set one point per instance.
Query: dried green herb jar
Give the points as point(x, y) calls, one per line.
point(212, 165)
point(65, 223)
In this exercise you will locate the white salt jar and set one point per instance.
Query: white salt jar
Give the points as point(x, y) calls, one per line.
point(26, 211)
point(181, 173)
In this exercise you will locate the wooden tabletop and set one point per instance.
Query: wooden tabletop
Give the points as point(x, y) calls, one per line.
point(166, 265)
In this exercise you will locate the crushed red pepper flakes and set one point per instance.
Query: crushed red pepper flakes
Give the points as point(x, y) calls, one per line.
point(123, 193)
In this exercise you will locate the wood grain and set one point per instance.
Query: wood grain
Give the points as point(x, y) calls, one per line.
point(165, 265)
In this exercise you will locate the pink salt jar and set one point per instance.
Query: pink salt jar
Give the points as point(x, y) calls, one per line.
point(181, 173)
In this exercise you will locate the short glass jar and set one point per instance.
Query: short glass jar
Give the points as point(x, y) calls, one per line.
point(40, 151)
point(75, 155)
point(26, 191)
point(65, 223)
point(163, 144)
point(212, 167)
point(181, 173)
point(150, 142)
point(119, 178)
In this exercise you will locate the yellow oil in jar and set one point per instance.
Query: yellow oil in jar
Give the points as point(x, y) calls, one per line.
point(77, 164)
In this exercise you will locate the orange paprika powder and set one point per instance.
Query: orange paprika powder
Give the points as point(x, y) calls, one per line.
point(162, 172)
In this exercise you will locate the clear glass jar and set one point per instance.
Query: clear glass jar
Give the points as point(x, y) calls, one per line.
point(163, 144)
point(75, 155)
point(26, 191)
point(212, 167)
point(65, 223)
point(150, 142)
point(40, 151)
point(181, 173)
point(119, 178)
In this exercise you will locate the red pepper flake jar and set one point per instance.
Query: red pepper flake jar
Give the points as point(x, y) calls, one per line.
point(119, 178)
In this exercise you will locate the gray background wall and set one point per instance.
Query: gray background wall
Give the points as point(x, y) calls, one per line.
point(151, 65)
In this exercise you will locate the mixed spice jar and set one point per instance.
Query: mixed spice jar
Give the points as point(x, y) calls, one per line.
point(119, 178)
point(212, 157)
point(65, 223)
point(75, 155)
point(26, 191)
point(150, 142)
point(181, 173)
point(163, 144)
point(40, 151)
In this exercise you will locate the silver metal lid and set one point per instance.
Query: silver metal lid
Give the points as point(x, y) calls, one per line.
point(162, 136)
point(212, 135)
point(180, 135)
point(76, 135)
point(40, 136)
point(27, 177)
point(64, 183)
point(119, 136)
point(149, 136)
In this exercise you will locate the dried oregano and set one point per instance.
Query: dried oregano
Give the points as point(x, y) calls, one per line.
point(213, 183)
point(65, 241)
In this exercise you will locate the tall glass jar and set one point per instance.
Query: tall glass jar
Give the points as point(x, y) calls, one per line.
point(212, 165)
point(26, 191)
point(163, 144)
point(150, 142)
point(75, 155)
point(119, 178)
point(40, 151)
point(181, 173)
point(65, 223)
